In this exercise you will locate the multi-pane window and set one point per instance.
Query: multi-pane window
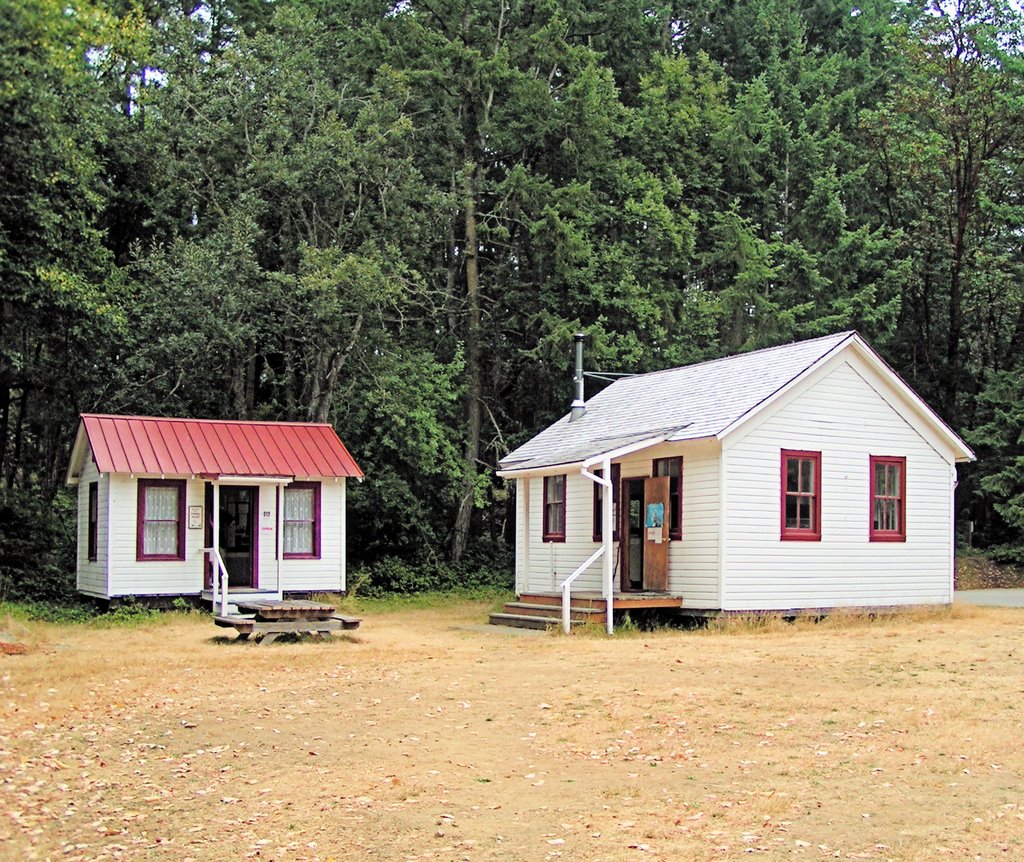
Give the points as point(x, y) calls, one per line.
point(302, 520)
point(599, 492)
point(801, 495)
point(92, 542)
point(554, 509)
point(888, 499)
point(673, 468)
point(161, 533)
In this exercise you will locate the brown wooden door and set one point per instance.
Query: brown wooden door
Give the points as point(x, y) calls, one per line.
point(656, 529)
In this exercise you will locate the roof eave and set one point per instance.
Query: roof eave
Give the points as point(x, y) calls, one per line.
point(77, 460)
point(961, 451)
point(781, 392)
point(589, 461)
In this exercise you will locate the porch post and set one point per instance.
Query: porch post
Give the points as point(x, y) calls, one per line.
point(607, 532)
point(215, 545)
point(280, 537)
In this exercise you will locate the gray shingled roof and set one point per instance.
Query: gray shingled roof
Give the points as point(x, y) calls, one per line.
point(677, 404)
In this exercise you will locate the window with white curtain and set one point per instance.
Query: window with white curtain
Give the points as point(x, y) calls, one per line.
point(302, 520)
point(161, 519)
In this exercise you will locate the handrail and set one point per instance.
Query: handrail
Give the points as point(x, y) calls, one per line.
point(221, 575)
point(566, 587)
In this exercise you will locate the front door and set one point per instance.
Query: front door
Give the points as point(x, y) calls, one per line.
point(631, 545)
point(644, 528)
point(656, 527)
point(239, 537)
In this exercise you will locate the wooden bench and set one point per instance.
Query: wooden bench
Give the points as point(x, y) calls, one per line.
point(267, 631)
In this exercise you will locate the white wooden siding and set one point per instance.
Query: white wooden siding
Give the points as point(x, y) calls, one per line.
point(131, 577)
point(842, 413)
point(327, 573)
point(522, 535)
point(92, 575)
point(693, 561)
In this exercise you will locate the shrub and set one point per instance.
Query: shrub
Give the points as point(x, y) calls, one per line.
point(37, 546)
point(391, 575)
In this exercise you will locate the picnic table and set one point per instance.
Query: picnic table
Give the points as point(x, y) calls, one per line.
point(267, 619)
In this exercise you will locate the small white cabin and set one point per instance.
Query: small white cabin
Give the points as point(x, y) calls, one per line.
point(802, 476)
point(153, 493)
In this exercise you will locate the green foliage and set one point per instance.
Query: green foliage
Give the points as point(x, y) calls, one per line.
point(247, 209)
point(37, 546)
point(1000, 447)
point(391, 575)
point(73, 612)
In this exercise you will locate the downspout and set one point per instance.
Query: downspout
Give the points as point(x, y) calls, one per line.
point(607, 532)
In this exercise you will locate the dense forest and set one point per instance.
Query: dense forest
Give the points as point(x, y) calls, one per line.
point(393, 215)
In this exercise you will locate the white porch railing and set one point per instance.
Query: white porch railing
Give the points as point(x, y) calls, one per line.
point(220, 581)
point(566, 587)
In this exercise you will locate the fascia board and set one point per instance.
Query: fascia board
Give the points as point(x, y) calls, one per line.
point(577, 466)
point(550, 470)
point(783, 390)
point(963, 452)
point(78, 452)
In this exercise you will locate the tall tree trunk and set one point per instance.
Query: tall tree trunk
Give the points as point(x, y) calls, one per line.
point(5, 415)
point(328, 371)
point(460, 534)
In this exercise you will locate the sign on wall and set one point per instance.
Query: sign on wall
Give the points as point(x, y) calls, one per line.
point(195, 517)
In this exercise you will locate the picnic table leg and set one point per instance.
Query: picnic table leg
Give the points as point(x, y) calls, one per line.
point(242, 636)
point(269, 637)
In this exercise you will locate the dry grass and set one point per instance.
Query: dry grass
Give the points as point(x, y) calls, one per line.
point(422, 738)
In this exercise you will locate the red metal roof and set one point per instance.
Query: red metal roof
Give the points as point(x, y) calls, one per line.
point(214, 447)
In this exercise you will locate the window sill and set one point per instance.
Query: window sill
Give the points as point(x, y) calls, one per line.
point(160, 558)
point(883, 537)
point(800, 537)
point(553, 538)
point(300, 556)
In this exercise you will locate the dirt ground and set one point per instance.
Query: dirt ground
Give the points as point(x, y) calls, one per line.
point(426, 739)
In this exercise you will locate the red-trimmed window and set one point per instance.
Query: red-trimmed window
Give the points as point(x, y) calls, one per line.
point(888, 499)
point(599, 505)
point(673, 468)
point(92, 541)
point(161, 528)
point(801, 495)
point(554, 509)
point(302, 521)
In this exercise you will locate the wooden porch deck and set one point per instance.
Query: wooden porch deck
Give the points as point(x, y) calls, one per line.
point(621, 601)
point(543, 610)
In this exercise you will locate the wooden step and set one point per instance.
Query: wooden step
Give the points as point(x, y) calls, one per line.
point(520, 621)
point(555, 600)
point(555, 611)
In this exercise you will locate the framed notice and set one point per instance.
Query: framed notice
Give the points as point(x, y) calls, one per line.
point(195, 517)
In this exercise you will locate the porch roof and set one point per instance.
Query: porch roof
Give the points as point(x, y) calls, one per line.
point(215, 447)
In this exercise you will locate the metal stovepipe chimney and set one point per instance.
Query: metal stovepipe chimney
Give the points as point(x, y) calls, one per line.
point(578, 407)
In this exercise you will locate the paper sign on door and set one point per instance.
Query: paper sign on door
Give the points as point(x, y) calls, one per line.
point(655, 521)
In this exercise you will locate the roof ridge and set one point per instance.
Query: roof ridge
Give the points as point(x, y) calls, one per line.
point(845, 334)
point(136, 418)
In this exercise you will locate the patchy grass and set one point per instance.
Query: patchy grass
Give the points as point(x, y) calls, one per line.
point(419, 601)
point(978, 572)
point(424, 737)
point(79, 614)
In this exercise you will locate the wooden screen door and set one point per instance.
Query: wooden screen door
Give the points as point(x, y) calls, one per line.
point(655, 532)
